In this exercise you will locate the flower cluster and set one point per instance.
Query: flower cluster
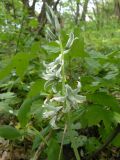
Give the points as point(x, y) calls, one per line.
point(58, 105)
point(53, 71)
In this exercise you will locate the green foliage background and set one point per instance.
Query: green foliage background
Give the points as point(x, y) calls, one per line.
point(94, 56)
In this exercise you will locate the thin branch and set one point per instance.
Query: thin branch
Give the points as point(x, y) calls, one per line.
point(63, 136)
point(107, 142)
point(41, 147)
point(55, 5)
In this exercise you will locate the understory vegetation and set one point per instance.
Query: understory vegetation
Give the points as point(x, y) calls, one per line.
point(59, 80)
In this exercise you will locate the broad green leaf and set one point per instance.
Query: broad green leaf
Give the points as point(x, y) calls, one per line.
point(95, 114)
point(51, 47)
point(104, 99)
point(33, 23)
point(76, 126)
point(24, 112)
point(77, 49)
point(80, 141)
point(5, 71)
point(116, 141)
point(19, 62)
point(53, 149)
point(66, 136)
point(35, 47)
point(92, 144)
point(116, 117)
point(93, 66)
point(112, 54)
point(4, 107)
point(9, 132)
point(64, 37)
point(36, 142)
point(36, 88)
point(7, 95)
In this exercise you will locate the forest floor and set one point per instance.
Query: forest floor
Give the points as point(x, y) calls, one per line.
point(21, 150)
point(12, 151)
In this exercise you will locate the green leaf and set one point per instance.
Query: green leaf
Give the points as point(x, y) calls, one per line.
point(104, 99)
point(95, 113)
point(116, 141)
point(77, 49)
point(19, 62)
point(4, 107)
point(40, 137)
point(92, 144)
point(51, 47)
point(36, 88)
point(9, 132)
point(33, 23)
point(50, 15)
point(57, 24)
point(93, 65)
point(5, 71)
point(36, 142)
point(70, 41)
point(50, 34)
point(116, 117)
point(53, 149)
point(24, 112)
point(7, 95)
point(80, 141)
point(35, 46)
point(67, 136)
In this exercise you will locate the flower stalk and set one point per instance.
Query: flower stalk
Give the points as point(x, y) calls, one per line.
point(63, 65)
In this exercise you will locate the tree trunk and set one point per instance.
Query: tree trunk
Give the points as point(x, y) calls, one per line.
point(31, 9)
point(84, 12)
point(117, 8)
point(96, 12)
point(77, 12)
point(42, 16)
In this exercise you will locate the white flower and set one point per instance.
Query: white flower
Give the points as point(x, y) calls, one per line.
point(72, 96)
point(53, 71)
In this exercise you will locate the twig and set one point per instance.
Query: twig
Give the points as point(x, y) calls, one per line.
point(55, 5)
point(41, 147)
point(107, 142)
point(63, 136)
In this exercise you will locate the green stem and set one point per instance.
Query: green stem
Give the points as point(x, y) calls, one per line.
point(63, 92)
point(41, 136)
point(63, 67)
point(63, 136)
point(72, 139)
point(63, 88)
